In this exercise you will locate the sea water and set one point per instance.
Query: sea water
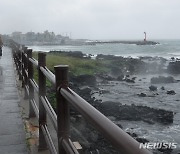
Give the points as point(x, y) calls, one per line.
point(165, 48)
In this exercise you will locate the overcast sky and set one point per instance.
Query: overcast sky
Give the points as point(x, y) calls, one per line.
point(93, 19)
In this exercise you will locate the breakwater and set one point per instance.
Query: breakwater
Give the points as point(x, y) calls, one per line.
point(123, 42)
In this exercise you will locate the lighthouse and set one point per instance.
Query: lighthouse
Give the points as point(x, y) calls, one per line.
point(144, 36)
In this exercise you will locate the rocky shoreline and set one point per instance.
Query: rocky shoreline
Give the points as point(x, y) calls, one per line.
point(123, 70)
point(116, 112)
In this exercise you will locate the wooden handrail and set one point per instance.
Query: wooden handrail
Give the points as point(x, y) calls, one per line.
point(64, 96)
point(124, 142)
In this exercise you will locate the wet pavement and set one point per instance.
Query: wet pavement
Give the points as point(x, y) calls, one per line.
point(12, 132)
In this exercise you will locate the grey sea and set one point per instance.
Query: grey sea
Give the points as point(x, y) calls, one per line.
point(126, 93)
point(166, 49)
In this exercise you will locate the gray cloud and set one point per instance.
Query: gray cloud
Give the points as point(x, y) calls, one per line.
point(102, 19)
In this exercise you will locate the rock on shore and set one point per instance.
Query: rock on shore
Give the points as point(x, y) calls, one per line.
point(136, 113)
point(162, 79)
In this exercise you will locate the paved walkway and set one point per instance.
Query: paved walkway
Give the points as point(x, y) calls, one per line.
point(12, 133)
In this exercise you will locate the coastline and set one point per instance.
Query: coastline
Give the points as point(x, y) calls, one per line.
point(124, 95)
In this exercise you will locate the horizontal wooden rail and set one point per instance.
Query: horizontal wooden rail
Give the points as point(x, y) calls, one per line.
point(49, 75)
point(50, 111)
point(35, 85)
point(33, 61)
point(35, 107)
point(69, 146)
point(27, 89)
point(49, 140)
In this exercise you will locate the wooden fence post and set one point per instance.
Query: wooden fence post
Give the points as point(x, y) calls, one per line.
point(42, 93)
point(22, 65)
point(16, 59)
point(19, 64)
point(25, 74)
point(31, 89)
point(61, 74)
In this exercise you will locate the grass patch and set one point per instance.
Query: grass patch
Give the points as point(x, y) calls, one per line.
point(77, 66)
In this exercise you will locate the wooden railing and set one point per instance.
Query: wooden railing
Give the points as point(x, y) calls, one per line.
point(64, 96)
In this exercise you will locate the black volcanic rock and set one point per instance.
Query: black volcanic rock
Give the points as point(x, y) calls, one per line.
point(162, 88)
point(152, 88)
point(77, 54)
point(130, 80)
point(136, 113)
point(162, 79)
point(142, 95)
point(89, 80)
point(174, 67)
point(171, 92)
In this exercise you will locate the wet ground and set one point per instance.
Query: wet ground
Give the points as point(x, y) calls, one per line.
point(12, 132)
